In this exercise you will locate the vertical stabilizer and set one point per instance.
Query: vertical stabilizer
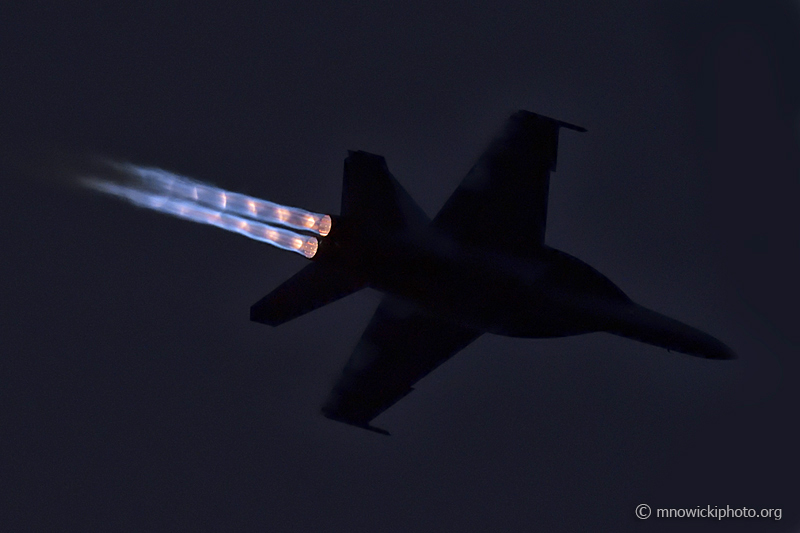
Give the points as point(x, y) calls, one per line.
point(372, 194)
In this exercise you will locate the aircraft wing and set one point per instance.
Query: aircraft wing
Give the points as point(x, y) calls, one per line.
point(502, 202)
point(398, 348)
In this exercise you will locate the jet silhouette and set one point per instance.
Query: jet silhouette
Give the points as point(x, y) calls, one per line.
point(480, 266)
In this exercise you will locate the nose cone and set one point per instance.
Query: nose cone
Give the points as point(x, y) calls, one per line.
point(642, 324)
point(713, 348)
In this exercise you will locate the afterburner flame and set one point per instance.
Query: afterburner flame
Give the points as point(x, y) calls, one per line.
point(325, 225)
point(176, 186)
point(185, 198)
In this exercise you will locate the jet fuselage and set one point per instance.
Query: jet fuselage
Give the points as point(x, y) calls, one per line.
point(549, 293)
point(543, 295)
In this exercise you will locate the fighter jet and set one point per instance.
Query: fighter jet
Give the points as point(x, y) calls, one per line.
point(480, 266)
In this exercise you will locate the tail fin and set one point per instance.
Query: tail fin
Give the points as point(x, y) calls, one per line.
point(371, 193)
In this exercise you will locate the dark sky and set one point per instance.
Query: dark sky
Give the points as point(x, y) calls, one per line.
point(135, 395)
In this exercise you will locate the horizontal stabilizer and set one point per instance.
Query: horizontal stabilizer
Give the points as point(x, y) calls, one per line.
point(366, 426)
point(317, 285)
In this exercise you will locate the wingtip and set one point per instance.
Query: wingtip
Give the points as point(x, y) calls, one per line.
point(573, 127)
point(258, 314)
point(525, 113)
point(377, 430)
point(362, 425)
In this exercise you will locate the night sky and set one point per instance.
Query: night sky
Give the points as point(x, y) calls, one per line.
point(135, 394)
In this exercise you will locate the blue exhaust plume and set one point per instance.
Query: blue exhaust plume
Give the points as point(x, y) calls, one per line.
point(189, 199)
